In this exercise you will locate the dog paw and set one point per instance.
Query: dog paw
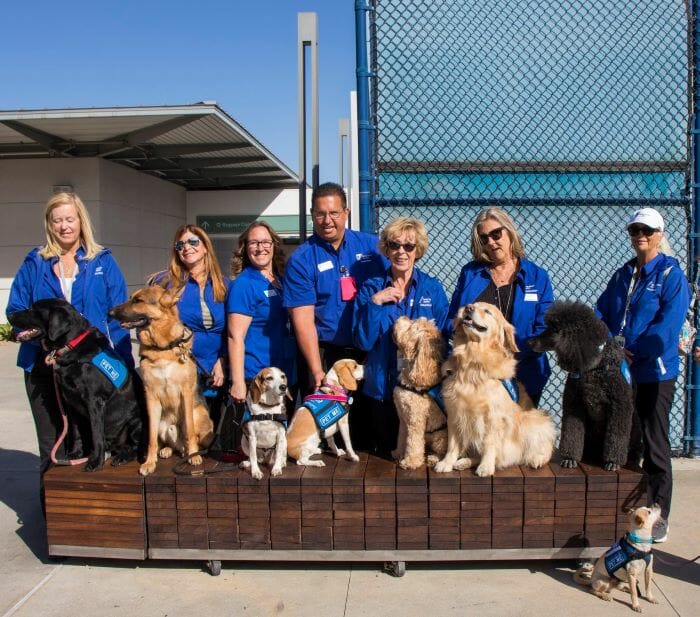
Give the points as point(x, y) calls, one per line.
point(354, 457)
point(339, 452)
point(432, 460)
point(637, 608)
point(93, 465)
point(196, 460)
point(276, 471)
point(443, 467)
point(257, 474)
point(395, 454)
point(569, 463)
point(484, 471)
point(611, 466)
point(147, 468)
point(463, 463)
point(652, 600)
point(165, 452)
point(244, 465)
point(410, 463)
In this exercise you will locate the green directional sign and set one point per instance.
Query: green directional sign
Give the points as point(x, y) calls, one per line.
point(283, 224)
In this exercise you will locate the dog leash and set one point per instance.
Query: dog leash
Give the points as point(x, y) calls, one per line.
point(64, 432)
point(676, 564)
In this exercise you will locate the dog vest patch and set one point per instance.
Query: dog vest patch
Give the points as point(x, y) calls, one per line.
point(112, 367)
point(326, 409)
point(620, 554)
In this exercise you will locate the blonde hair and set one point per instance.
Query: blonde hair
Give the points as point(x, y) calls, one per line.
point(240, 259)
point(517, 248)
point(87, 237)
point(176, 275)
point(400, 225)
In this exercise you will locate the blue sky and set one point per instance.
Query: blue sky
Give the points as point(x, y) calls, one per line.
point(96, 53)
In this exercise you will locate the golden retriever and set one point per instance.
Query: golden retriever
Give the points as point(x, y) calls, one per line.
point(625, 561)
point(178, 417)
point(420, 348)
point(485, 426)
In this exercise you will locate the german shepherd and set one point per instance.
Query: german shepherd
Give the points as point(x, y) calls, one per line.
point(178, 417)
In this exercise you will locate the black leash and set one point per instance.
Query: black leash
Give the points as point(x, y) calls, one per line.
point(676, 564)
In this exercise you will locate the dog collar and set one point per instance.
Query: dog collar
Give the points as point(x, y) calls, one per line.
point(338, 389)
point(633, 537)
point(69, 346)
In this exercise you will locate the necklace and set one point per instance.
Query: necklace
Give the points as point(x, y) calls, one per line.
point(508, 301)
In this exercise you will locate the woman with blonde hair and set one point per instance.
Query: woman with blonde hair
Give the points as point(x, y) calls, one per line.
point(259, 329)
point(500, 275)
point(194, 269)
point(72, 266)
point(402, 290)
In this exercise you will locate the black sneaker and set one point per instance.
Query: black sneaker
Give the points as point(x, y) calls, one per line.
point(659, 532)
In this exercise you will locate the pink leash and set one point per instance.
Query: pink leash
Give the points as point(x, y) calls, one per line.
point(77, 461)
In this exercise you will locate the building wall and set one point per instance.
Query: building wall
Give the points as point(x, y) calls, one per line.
point(133, 214)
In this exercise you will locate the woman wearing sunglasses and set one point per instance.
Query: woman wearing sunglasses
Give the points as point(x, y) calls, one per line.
point(644, 306)
point(500, 275)
point(259, 329)
point(194, 267)
point(402, 290)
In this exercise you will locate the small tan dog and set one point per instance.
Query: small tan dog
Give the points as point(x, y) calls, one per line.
point(307, 429)
point(422, 422)
point(626, 561)
point(178, 418)
point(485, 426)
point(265, 422)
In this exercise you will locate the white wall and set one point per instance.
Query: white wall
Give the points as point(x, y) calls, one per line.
point(133, 214)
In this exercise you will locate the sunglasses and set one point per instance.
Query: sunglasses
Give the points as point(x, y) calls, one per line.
point(494, 234)
point(635, 230)
point(395, 246)
point(180, 245)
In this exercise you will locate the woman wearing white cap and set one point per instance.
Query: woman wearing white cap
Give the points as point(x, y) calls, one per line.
point(644, 306)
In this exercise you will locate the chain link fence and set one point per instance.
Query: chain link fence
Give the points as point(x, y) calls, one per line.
point(569, 115)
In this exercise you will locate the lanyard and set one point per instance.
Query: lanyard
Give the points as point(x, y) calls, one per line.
point(636, 275)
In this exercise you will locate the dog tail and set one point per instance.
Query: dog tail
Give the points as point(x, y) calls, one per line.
point(584, 575)
point(539, 435)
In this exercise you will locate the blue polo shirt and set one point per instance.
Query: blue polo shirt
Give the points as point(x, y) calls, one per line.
point(312, 277)
point(532, 297)
point(657, 308)
point(372, 325)
point(269, 340)
point(208, 344)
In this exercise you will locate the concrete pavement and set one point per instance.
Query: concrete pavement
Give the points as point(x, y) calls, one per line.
point(32, 585)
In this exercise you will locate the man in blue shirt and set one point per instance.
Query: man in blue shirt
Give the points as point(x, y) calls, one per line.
point(321, 281)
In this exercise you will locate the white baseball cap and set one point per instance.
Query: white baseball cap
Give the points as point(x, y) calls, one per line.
point(649, 217)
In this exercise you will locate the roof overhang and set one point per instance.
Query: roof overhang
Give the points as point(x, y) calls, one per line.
point(199, 147)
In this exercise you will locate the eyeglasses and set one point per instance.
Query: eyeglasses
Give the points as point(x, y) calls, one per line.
point(265, 244)
point(334, 214)
point(635, 230)
point(395, 246)
point(180, 245)
point(494, 234)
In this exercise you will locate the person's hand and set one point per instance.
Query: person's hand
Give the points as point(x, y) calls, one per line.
point(388, 294)
point(238, 392)
point(217, 374)
point(317, 379)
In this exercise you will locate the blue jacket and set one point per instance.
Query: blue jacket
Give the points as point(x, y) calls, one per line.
point(208, 344)
point(269, 340)
point(658, 306)
point(312, 277)
point(99, 285)
point(372, 325)
point(532, 297)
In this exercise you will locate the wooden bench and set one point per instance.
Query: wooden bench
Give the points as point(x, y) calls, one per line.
point(345, 511)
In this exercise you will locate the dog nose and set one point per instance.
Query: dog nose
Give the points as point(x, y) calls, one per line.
point(283, 387)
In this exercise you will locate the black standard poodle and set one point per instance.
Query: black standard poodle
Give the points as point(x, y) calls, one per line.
point(599, 423)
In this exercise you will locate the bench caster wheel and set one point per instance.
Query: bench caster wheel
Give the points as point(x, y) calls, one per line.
point(214, 567)
point(395, 568)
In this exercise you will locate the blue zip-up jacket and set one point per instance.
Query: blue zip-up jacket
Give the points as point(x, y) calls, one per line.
point(533, 295)
point(99, 285)
point(372, 324)
point(312, 277)
point(658, 306)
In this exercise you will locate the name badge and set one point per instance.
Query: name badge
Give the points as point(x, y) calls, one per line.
point(530, 297)
point(270, 292)
point(326, 265)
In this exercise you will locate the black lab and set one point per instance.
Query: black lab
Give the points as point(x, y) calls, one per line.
point(599, 424)
point(93, 382)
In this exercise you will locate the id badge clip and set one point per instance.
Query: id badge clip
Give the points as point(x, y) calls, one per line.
point(348, 285)
point(620, 340)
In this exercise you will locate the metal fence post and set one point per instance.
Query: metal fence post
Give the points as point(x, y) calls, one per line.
point(362, 9)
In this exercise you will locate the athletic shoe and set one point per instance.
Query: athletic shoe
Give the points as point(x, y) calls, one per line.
point(659, 532)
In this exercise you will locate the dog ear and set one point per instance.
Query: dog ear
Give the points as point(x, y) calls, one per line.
point(509, 337)
point(172, 296)
point(288, 394)
point(256, 389)
point(58, 324)
point(345, 376)
point(639, 519)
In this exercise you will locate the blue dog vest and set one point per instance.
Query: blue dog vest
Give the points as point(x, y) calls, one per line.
point(260, 417)
point(621, 553)
point(112, 367)
point(326, 409)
